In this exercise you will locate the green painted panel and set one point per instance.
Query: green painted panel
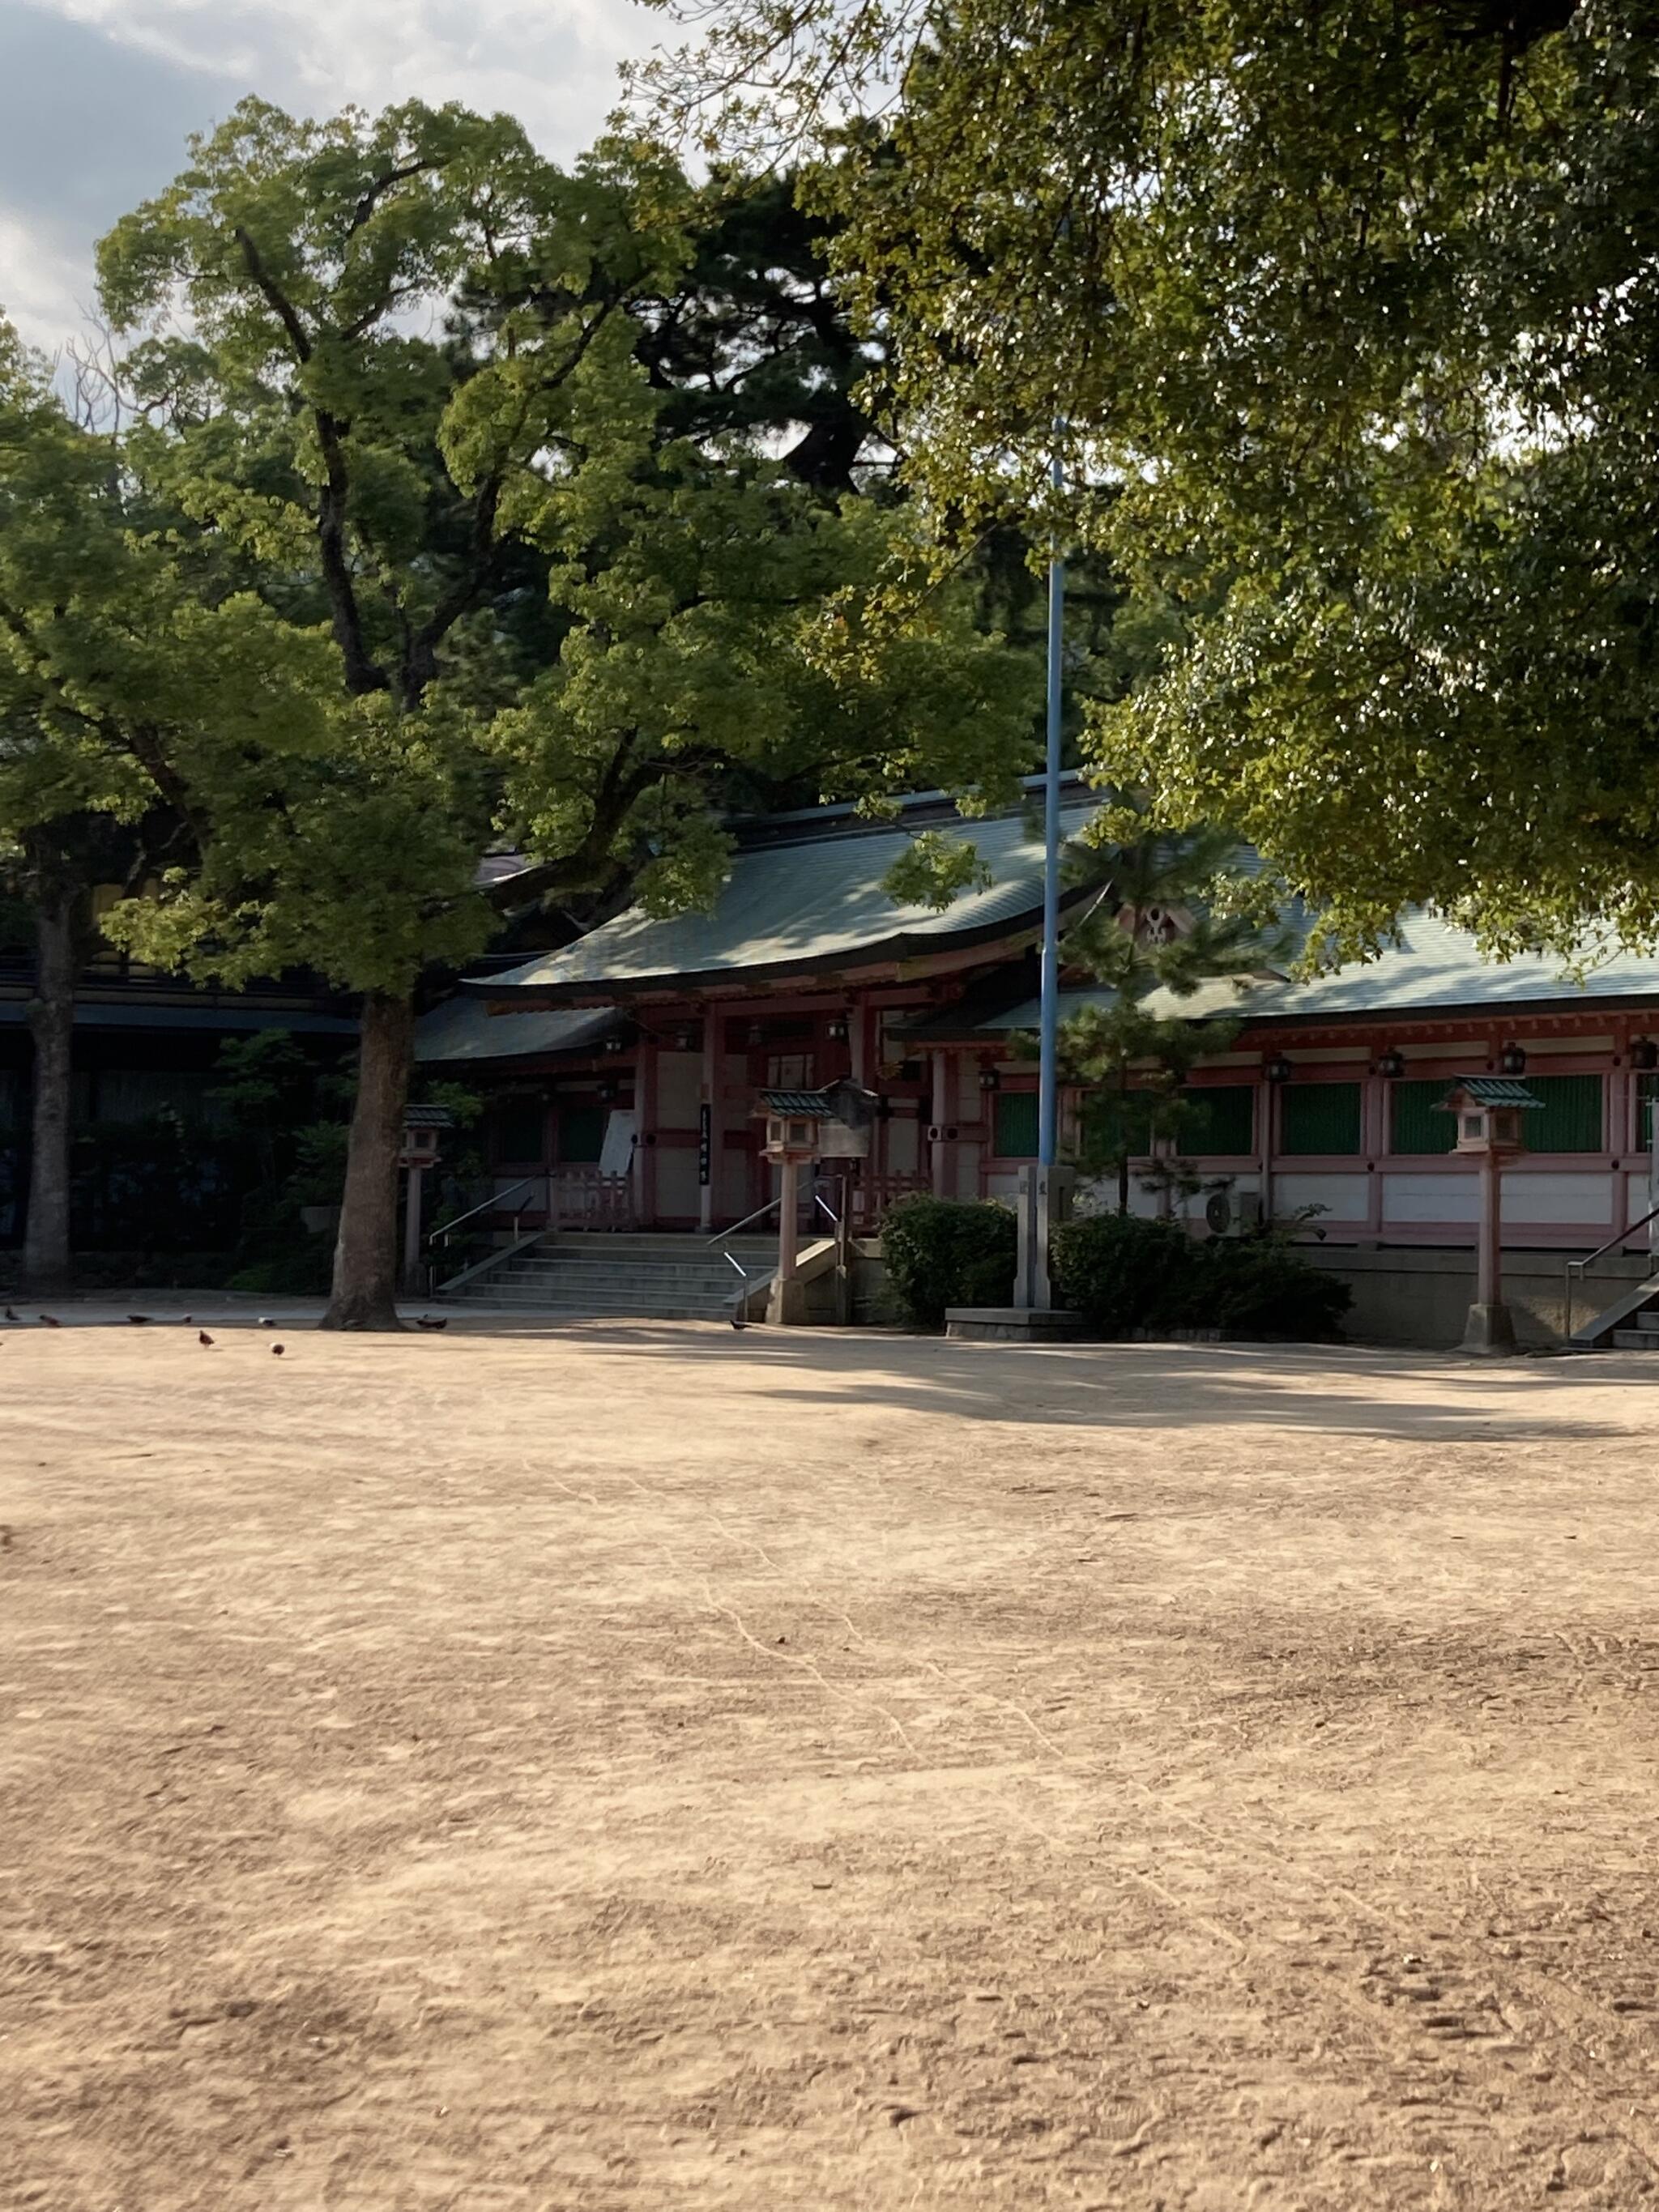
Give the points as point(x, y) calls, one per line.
point(1118, 1122)
point(520, 1130)
point(1572, 1119)
point(1648, 1090)
point(1015, 1125)
point(1414, 1126)
point(581, 1135)
point(1319, 1117)
point(1220, 1120)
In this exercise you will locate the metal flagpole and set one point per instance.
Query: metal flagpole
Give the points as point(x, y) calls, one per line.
point(1048, 1085)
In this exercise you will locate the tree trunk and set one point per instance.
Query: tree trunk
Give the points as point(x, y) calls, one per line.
point(46, 1258)
point(366, 1255)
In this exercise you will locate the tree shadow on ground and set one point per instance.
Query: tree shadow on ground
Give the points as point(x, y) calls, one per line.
point(1362, 1391)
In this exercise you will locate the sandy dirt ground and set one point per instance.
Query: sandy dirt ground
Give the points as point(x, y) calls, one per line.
point(652, 1767)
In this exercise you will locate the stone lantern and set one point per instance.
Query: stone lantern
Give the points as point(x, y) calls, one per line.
point(1490, 1111)
point(803, 1127)
point(423, 1127)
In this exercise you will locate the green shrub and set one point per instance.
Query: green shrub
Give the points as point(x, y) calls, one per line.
point(289, 1262)
point(1122, 1273)
point(946, 1252)
point(1258, 1286)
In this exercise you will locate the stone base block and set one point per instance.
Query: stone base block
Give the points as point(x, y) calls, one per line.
point(1012, 1325)
point(1490, 1330)
point(787, 1305)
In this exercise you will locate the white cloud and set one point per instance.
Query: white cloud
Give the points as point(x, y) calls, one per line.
point(97, 98)
point(44, 289)
point(553, 63)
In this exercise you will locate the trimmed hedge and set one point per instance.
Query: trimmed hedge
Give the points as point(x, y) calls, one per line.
point(1122, 1273)
point(946, 1252)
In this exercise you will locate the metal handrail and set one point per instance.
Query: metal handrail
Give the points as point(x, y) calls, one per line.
point(1623, 1236)
point(486, 1206)
point(759, 1214)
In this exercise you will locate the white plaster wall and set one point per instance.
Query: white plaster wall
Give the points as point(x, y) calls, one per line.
point(732, 1199)
point(903, 1145)
point(679, 1089)
point(1451, 1197)
point(1344, 1197)
point(677, 1191)
point(1551, 1196)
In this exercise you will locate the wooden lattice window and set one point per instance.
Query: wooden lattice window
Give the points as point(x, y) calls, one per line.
point(1015, 1125)
point(1219, 1120)
point(1414, 1126)
point(1572, 1119)
point(1320, 1117)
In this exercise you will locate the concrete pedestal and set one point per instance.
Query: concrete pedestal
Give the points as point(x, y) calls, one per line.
point(786, 1302)
point(1044, 1201)
point(1490, 1330)
point(1012, 1324)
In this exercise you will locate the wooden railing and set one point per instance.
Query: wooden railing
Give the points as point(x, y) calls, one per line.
point(588, 1198)
point(871, 1195)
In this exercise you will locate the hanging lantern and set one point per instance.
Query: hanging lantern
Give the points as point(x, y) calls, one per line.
point(1644, 1054)
point(1278, 1069)
point(607, 1094)
point(614, 1043)
point(756, 1037)
point(990, 1079)
point(1391, 1064)
point(836, 1031)
point(1512, 1060)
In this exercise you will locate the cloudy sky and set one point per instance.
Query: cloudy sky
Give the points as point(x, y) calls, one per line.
point(97, 98)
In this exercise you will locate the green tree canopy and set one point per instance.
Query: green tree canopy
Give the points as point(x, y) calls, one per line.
point(1349, 316)
point(449, 418)
point(131, 713)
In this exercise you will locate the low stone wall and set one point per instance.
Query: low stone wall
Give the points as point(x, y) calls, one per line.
point(1401, 1295)
point(1422, 1298)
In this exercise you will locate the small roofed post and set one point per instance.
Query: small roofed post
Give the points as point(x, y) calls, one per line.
point(1491, 1127)
point(803, 1127)
point(423, 1127)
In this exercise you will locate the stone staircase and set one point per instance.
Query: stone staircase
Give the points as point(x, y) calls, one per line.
point(1631, 1323)
point(573, 1276)
point(1643, 1337)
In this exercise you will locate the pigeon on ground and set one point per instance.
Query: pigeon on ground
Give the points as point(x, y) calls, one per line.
point(276, 1351)
point(425, 1320)
point(47, 1322)
point(10, 1315)
point(738, 1321)
point(137, 1319)
point(202, 1337)
point(266, 1321)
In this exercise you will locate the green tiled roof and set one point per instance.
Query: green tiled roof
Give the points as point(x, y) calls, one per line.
point(1434, 969)
point(811, 902)
point(465, 1030)
point(1492, 1091)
